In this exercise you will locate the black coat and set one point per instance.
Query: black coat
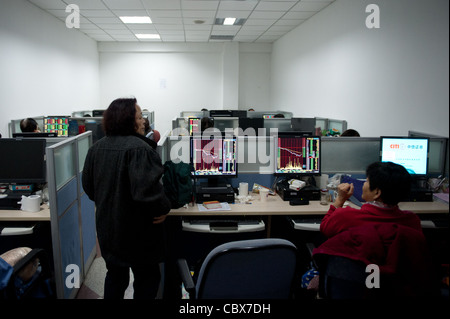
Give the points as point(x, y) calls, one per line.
point(122, 175)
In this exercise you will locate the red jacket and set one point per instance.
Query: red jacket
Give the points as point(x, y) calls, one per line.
point(340, 219)
point(400, 252)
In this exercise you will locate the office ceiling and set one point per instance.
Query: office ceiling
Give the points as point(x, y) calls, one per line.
point(187, 20)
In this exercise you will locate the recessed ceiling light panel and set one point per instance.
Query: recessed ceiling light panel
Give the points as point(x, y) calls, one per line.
point(129, 20)
point(148, 36)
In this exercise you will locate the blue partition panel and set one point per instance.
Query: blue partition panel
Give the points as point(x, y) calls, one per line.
point(88, 226)
point(66, 196)
point(70, 244)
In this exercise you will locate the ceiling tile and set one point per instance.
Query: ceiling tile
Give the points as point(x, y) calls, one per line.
point(97, 20)
point(274, 6)
point(199, 5)
point(49, 4)
point(121, 4)
point(88, 4)
point(266, 14)
point(310, 5)
point(233, 14)
point(162, 4)
point(237, 5)
point(96, 13)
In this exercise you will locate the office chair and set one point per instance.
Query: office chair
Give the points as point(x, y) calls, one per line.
point(248, 269)
point(400, 252)
point(40, 285)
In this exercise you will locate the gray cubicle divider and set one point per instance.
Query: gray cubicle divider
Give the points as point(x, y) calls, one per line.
point(349, 155)
point(72, 214)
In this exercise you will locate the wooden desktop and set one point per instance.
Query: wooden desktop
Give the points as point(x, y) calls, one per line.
point(276, 206)
point(19, 215)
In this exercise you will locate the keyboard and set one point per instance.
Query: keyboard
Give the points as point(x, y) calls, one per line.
point(224, 221)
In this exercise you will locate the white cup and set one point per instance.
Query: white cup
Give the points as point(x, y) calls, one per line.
point(30, 203)
point(264, 194)
point(243, 189)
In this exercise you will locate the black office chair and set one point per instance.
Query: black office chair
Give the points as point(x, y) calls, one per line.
point(400, 253)
point(40, 285)
point(248, 269)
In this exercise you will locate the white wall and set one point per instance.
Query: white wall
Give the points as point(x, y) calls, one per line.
point(382, 81)
point(169, 78)
point(45, 68)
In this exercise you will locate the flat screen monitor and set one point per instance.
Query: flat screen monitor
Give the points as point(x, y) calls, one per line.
point(22, 161)
point(35, 135)
point(220, 113)
point(410, 152)
point(303, 124)
point(297, 155)
point(255, 123)
point(194, 125)
point(57, 124)
point(97, 113)
point(213, 156)
point(282, 125)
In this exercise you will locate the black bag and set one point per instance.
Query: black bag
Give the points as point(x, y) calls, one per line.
point(177, 183)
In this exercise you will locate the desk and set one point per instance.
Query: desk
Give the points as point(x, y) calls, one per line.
point(193, 246)
point(276, 206)
point(19, 215)
point(29, 235)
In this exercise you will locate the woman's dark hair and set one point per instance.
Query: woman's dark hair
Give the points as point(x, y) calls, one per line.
point(205, 123)
point(28, 125)
point(391, 179)
point(351, 132)
point(120, 117)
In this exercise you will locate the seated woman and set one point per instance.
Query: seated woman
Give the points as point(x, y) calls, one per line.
point(386, 185)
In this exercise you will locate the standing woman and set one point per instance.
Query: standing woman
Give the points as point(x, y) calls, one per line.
point(122, 174)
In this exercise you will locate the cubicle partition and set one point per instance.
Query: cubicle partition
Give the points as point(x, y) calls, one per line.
point(72, 214)
point(346, 155)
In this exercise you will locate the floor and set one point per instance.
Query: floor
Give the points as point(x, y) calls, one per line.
point(93, 285)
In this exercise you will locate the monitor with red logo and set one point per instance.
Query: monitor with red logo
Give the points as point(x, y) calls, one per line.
point(410, 152)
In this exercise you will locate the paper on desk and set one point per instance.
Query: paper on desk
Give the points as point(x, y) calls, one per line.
point(223, 206)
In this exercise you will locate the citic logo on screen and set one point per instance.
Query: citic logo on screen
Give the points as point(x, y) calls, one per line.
point(403, 147)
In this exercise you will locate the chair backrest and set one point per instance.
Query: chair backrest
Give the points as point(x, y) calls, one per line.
point(250, 269)
point(399, 252)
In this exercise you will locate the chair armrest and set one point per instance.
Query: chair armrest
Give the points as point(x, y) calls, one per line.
point(186, 277)
point(310, 247)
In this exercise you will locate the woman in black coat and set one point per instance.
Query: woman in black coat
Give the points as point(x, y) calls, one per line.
point(122, 175)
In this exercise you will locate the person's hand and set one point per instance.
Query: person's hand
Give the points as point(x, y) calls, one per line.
point(159, 219)
point(345, 191)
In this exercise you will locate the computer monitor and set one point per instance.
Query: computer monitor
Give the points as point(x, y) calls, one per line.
point(254, 123)
point(303, 124)
point(213, 157)
point(57, 124)
point(22, 161)
point(194, 125)
point(410, 152)
point(220, 113)
point(282, 125)
point(35, 135)
point(297, 155)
